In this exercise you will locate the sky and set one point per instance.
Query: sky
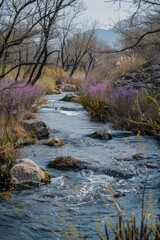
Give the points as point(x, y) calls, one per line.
point(106, 14)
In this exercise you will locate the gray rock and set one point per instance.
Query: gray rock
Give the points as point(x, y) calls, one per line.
point(68, 88)
point(104, 134)
point(70, 98)
point(25, 171)
point(37, 128)
point(151, 68)
point(138, 156)
point(101, 134)
point(153, 61)
point(146, 78)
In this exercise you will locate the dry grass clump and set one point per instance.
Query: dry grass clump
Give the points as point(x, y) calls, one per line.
point(50, 78)
point(141, 227)
point(131, 229)
point(125, 64)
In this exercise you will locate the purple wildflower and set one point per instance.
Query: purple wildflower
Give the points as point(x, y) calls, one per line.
point(17, 97)
point(125, 91)
point(97, 88)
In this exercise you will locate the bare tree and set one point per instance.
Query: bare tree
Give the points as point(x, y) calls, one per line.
point(77, 50)
point(29, 25)
point(144, 33)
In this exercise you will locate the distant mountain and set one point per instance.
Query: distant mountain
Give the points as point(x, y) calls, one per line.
point(108, 36)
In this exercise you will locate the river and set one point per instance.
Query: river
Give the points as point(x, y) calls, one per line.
point(81, 199)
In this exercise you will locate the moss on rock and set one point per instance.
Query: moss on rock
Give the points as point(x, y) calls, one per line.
point(67, 163)
point(47, 176)
point(5, 195)
point(55, 142)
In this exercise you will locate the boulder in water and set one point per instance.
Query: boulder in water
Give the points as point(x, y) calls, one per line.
point(116, 173)
point(101, 134)
point(70, 98)
point(25, 171)
point(55, 142)
point(37, 128)
point(67, 163)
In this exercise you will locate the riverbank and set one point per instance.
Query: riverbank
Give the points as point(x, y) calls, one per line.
point(124, 107)
point(131, 102)
point(19, 102)
point(18, 107)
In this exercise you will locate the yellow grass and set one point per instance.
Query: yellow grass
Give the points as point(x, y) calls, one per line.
point(49, 78)
point(12, 136)
point(126, 64)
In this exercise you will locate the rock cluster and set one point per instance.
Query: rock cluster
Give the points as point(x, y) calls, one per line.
point(147, 77)
point(68, 163)
point(68, 88)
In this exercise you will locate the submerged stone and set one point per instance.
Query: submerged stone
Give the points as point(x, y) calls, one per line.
point(67, 163)
point(118, 194)
point(107, 135)
point(116, 173)
point(121, 134)
point(138, 156)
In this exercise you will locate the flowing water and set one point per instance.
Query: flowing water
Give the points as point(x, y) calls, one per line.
point(80, 198)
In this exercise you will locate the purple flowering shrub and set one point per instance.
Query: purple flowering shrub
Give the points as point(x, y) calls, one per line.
point(110, 103)
point(124, 106)
point(98, 88)
point(17, 100)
